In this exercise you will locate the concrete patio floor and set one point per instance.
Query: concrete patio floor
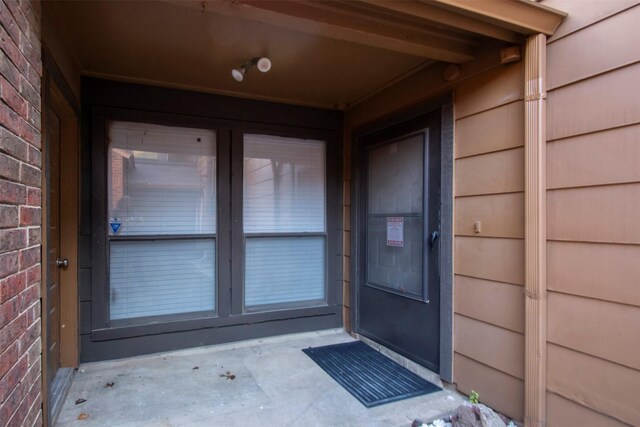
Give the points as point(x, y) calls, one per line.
point(275, 384)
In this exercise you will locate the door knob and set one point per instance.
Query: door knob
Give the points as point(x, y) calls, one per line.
point(62, 263)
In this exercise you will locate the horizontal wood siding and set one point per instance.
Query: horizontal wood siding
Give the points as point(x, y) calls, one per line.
point(493, 130)
point(596, 383)
point(602, 47)
point(496, 303)
point(500, 215)
point(593, 206)
point(497, 389)
point(607, 213)
point(490, 173)
point(586, 13)
point(608, 157)
point(499, 86)
point(564, 412)
point(500, 260)
point(489, 264)
point(577, 323)
point(608, 272)
point(498, 348)
point(603, 102)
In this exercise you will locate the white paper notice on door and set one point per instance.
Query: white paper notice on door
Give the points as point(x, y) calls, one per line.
point(395, 231)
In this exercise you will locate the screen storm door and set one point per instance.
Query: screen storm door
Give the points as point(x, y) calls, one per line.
point(161, 220)
point(398, 292)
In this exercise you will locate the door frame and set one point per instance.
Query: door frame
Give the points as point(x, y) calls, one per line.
point(58, 96)
point(444, 105)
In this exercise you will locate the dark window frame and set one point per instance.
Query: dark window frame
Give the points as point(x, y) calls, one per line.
point(329, 266)
point(303, 123)
point(101, 322)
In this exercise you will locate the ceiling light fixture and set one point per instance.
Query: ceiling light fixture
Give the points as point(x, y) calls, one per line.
point(263, 64)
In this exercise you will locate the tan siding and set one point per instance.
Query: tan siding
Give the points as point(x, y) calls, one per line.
point(493, 130)
point(497, 389)
point(593, 206)
point(583, 13)
point(500, 215)
point(603, 102)
point(595, 214)
point(599, 384)
point(489, 258)
point(489, 266)
point(609, 157)
point(595, 327)
point(499, 348)
point(603, 271)
point(497, 303)
point(500, 86)
point(620, 46)
point(500, 172)
point(562, 412)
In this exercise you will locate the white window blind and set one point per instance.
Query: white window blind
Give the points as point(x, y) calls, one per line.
point(284, 192)
point(162, 180)
point(282, 270)
point(151, 278)
point(284, 184)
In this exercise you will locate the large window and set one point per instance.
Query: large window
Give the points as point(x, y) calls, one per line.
point(284, 222)
point(162, 220)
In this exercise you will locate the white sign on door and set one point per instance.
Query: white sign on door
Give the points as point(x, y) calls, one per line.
point(395, 231)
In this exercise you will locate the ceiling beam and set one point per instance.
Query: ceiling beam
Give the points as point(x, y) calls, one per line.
point(524, 16)
point(333, 20)
point(438, 16)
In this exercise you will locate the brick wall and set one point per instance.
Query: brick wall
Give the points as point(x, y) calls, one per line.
point(20, 213)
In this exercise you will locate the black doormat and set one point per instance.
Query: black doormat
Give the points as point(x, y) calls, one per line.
point(368, 375)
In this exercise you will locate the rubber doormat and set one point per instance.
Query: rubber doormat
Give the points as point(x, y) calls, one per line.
point(368, 375)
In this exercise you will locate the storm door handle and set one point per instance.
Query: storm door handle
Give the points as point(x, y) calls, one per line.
point(432, 239)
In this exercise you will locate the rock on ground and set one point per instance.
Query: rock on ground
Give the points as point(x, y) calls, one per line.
point(479, 415)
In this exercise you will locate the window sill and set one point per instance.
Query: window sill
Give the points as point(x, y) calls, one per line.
point(129, 331)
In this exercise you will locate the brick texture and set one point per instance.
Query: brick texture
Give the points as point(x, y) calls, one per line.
point(20, 213)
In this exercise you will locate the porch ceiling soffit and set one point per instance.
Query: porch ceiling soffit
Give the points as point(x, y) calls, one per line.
point(328, 54)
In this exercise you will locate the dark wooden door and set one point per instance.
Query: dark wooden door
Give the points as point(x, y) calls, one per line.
point(52, 142)
point(398, 293)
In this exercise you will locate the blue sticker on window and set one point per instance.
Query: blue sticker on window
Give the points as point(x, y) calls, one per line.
point(115, 224)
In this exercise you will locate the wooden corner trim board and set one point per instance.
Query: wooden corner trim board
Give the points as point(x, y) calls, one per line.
point(535, 232)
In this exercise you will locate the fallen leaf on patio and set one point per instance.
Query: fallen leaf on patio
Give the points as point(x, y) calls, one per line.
point(83, 416)
point(196, 367)
point(109, 385)
point(79, 401)
point(228, 375)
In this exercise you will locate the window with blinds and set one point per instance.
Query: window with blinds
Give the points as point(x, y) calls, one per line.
point(162, 219)
point(284, 221)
